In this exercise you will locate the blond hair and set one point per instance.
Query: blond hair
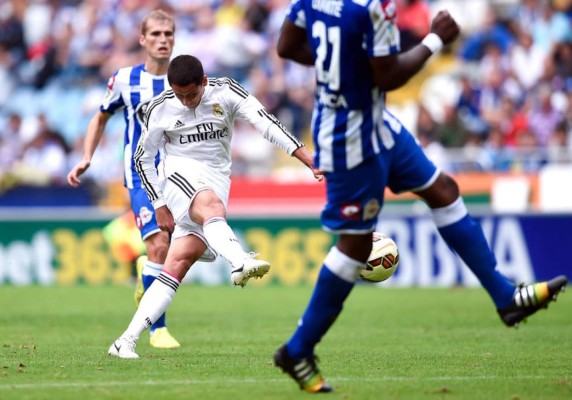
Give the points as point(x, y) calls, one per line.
point(157, 15)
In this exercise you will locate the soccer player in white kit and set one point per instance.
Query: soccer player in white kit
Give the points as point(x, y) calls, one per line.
point(192, 124)
point(129, 91)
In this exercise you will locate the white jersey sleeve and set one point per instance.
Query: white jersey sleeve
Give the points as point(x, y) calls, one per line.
point(252, 111)
point(149, 144)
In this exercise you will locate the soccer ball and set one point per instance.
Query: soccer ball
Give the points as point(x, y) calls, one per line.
point(383, 259)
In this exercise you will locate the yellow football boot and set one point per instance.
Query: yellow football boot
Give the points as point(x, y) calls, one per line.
point(139, 289)
point(162, 339)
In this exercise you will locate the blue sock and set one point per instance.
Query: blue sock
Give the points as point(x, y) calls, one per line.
point(330, 292)
point(467, 239)
point(160, 323)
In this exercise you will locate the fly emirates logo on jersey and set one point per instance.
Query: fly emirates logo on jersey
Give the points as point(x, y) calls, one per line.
point(206, 131)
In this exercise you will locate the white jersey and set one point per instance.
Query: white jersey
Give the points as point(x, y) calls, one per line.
point(204, 133)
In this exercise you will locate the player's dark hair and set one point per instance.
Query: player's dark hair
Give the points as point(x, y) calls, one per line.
point(184, 70)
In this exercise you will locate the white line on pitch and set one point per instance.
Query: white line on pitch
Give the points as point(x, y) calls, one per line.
point(256, 381)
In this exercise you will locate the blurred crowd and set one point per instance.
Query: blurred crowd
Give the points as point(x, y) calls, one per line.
point(506, 105)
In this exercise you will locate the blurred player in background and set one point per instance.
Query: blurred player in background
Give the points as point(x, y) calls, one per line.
point(189, 189)
point(130, 89)
point(362, 148)
point(124, 238)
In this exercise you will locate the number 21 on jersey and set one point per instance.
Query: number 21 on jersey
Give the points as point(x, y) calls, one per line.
point(327, 37)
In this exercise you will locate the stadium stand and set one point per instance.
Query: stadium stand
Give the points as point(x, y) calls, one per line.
point(500, 100)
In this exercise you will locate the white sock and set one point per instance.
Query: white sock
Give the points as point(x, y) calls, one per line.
point(152, 269)
point(153, 304)
point(222, 239)
point(343, 266)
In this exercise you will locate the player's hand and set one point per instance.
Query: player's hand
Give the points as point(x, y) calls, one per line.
point(165, 219)
point(76, 172)
point(445, 27)
point(305, 156)
point(319, 175)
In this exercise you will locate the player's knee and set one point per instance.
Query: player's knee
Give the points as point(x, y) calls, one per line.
point(205, 206)
point(448, 186)
point(356, 247)
point(443, 192)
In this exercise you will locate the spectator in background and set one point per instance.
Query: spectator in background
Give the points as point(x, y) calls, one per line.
point(239, 47)
point(529, 158)
point(467, 109)
point(10, 143)
point(527, 60)
point(492, 31)
point(552, 27)
point(6, 64)
point(559, 145)
point(12, 34)
point(527, 13)
point(492, 91)
point(44, 158)
point(496, 156)
point(428, 138)
point(562, 61)
point(543, 118)
point(107, 162)
point(202, 41)
point(514, 120)
point(299, 86)
point(229, 13)
point(90, 40)
point(493, 60)
point(40, 63)
point(256, 16)
point(414, 21)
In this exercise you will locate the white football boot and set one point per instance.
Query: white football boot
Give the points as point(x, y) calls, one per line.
point(124, 347)
point(251, 268)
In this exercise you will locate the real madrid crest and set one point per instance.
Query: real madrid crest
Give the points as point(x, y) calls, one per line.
point(217, 110)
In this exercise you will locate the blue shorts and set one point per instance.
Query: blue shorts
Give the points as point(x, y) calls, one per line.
point(144, 213)
point(355, 197)
point(406, 167)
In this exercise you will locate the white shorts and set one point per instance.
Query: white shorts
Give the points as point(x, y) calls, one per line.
point(183, 178)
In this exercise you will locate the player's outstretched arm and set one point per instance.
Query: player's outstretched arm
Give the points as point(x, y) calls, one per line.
point(393, 71)
point(93, 136)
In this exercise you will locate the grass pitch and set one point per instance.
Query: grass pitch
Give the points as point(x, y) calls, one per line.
point(388, 344)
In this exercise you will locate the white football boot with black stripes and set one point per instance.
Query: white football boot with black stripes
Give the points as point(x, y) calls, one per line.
point(251, 268)
point(124, 347)
point(528, 299)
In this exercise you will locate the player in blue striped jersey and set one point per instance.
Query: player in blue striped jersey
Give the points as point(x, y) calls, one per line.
point(130, 90)
point(362, 148)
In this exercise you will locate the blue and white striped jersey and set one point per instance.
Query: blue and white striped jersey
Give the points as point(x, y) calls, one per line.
point(347, 124)
point(132, 88)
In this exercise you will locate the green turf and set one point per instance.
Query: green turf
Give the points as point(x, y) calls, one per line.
point(388, 344)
